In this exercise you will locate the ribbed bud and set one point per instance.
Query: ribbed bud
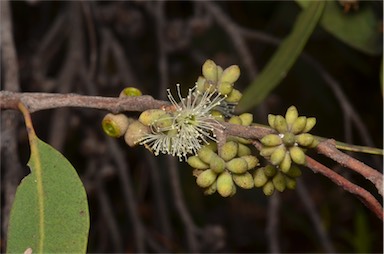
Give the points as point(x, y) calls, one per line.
point(290, 183)
point(270, 171)
point(304, 139)
point(235, 120)
point(115, 125)
point(280, 124)
point(243, 150)
point(217, 115)
point(229, 150)
point(297, 155)
point(234, 96)
point(195, 162)
point(267, 151)
point(279, 182)
point(210, 70)
point(294, 172)
point(244, 181)
point(149, 116)
point(291, 115)
point(237, 165)
point(251, 160)
point(311, 122)
point(259, 177)
point(205, 154)
point(211, 189)
point(129, 92)
point(225, 184)
point(314, 143)
point(163, 122)
point(206, 178)
point(278, 155)
point(246, 119)
point(201, 84)
point(289, 139)
point(299, 125)
point(271, 140)
point(224, 88)
point(219, 71)
point(230, 74)
point(271, 120)
point(135, 132)
point(285, 164)
point(217, 164)
point(212, 146)
point(268, 188)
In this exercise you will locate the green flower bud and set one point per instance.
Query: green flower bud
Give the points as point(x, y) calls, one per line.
point(251, 160)
point(211, 189)
point(278, 155)
point(271, 140)
point(297, 155)
point(211, 145)
point(206, 178)
point(225, 184)
point(291, 115)
point(163, 122)
point(314, 143)
point(195, 162)
point(267, 151)
point(234, 96)
point(299, 125)
point(268, 188)
point(224, 88)
point(130, 91)
point(235, 120)
point(229, 150)
point(246, 119)
point(219, 71)
point(243, 150)
point(290, 183)
point(279, 182)
point(210, 70)
point(271, 120)
point(234, 189)
point(304, 139)
point(259, 177)
point(149, 116)
point(289, 139)
point(230, 74)
point(311, 122)
point(270, 170)
point(205, 154)
point(241, 140)
point(244, 181)
point(201, 84)
point(281, 124)
point(217, 164)
point(285, 164)
point(294, 171)
point(135, 132)
point(217, 115)
point(115, 125)
point(237, 165)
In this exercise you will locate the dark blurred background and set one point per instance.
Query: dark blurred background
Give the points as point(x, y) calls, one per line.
point(142, 203)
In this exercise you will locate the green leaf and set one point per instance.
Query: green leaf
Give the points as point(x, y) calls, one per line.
point(358, 29)
point(284, 58)
point(50, 210)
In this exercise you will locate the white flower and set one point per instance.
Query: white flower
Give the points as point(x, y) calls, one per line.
point(192, 124)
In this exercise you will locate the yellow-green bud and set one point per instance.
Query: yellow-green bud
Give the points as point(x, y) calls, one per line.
point(235, 120)
point(290, 183)
point(289, 139)
point(149, 116)
point(217, 115)
point(230, 74)
point(206, 178)
point(246, 119)
point(294, 171)
point(244, 181)
point(201, 84)
point(243, 140)
point(259, 177)
point(304, 139)
point(205, 154)
point(217, 164)
point(234, 189)
point(271, 120)
point(211, 189)
point(311, 122)
point(267, 151)
point(210, 70)
point(195, 162)
point(237, 165)
point(115, 125)
point(271, 140)
point(251, 160)
point(234, 96)
point(135, 132)
point(281, 124)
point(299, 125)
point(225, 184)
point(211, 145)
point(291, 115)
point(268, 188)
point(243, 150)
point(229, 150)
point(130, 91)
point(219, 71)
point(279, 182)
point(314, 143)
point(285, 164)
point(224, 88)
point(297, 155)
point(270, 170)
point(163, 121)
point(278, 155)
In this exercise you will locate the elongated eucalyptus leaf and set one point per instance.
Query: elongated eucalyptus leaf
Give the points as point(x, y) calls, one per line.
point(283, 59)
point(50, 210)
point(359, 29)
